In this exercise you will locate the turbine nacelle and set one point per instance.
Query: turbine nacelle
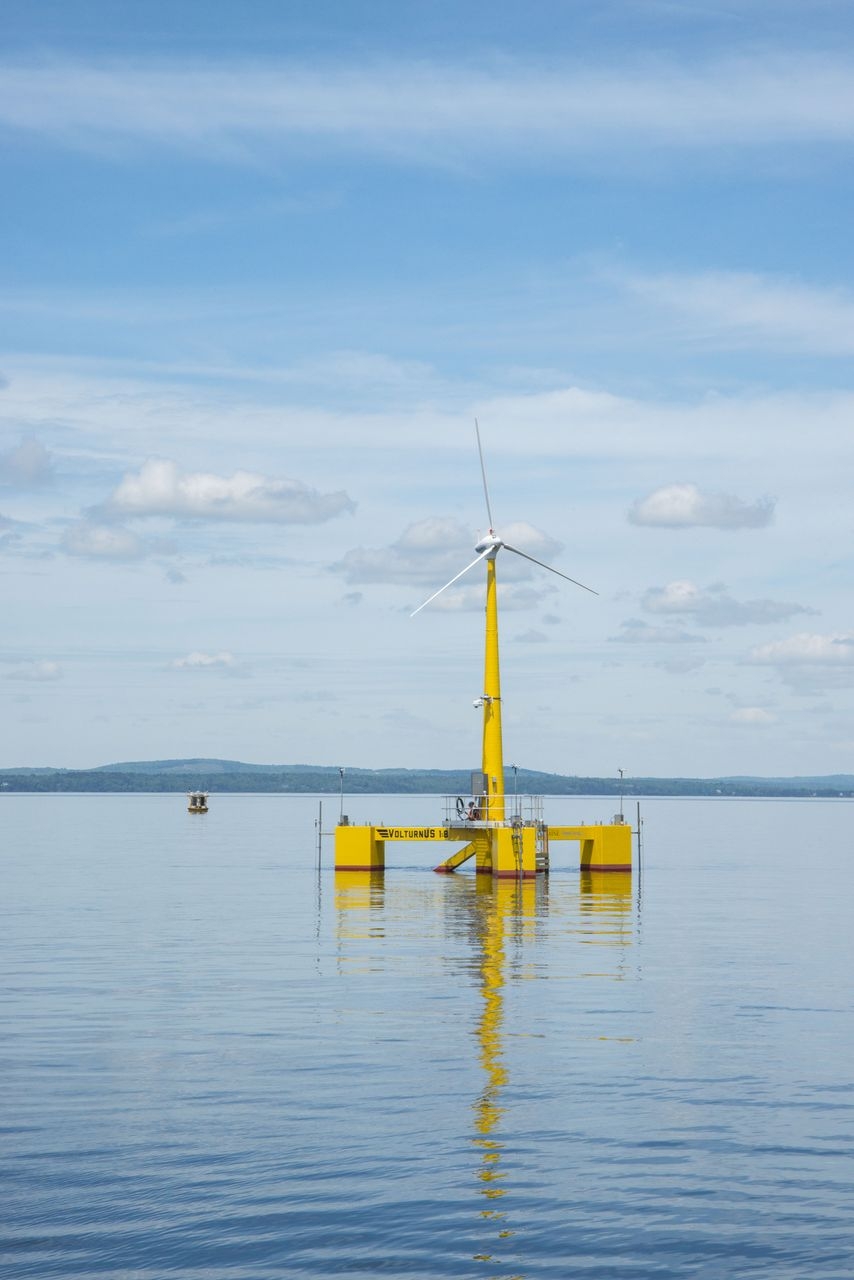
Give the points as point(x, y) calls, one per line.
point(489, 546)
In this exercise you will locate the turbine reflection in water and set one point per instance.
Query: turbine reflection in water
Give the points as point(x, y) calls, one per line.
point(498, 904)
point(509, 912)
point(503, 923)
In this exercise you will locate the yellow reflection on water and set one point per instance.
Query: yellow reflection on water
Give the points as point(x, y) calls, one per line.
point(359, 889)
point(605, 890)
point(506, 911)
point(359, 901)
point(606, 913)
point(497, 917)
point(500, 907)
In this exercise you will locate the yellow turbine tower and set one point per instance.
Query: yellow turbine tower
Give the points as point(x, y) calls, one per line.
point(493, 750)
point(501, 845)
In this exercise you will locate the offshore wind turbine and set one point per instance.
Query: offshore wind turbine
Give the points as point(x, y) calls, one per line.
point(518, 847)
point(492, 801)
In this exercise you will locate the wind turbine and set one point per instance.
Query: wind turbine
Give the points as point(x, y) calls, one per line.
point(492, 804)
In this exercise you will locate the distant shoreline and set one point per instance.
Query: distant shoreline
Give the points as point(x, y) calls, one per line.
point(234, 777)
point(438, 795)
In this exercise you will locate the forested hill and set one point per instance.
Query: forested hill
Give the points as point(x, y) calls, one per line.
point(235, 776)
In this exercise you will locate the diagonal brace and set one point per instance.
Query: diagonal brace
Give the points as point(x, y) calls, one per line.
point(457, 859)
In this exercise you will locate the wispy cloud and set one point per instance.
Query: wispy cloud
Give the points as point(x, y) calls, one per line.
point(36, 672)
point(513, 597)
point(755, 717)
point(636, 631)
point(398, 105)
point(740, 309)
point(714, 607)
point(96, 541)
point(158, 489)
point(198, 661)
point(685, 506)
point(807, 649)
point(27, 465)
point(432, 551)
point(680, 666)
point(566, 422)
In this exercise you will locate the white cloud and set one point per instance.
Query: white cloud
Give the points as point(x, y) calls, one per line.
point(433, 534)
point(680, 666)
point(636, 631)
point(684, 506)
point(714, 607)
point(432, 551)
point(569, 422)
point(756, 716)
point(513, 597)
point(427, 552)
point(738, 309)
point(807, 649)
point(103, 542)
point(358, 369)
point(197, 661)
point(532, 637)
point(36, 672)
point(27, 465)
point(399, 105)
point(159, 490)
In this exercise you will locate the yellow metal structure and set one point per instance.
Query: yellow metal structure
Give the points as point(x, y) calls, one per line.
point(502, 847)
point(603, 848)
point(358, 849)
point(493, 750)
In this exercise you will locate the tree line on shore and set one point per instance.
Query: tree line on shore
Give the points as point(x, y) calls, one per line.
point(302, 780)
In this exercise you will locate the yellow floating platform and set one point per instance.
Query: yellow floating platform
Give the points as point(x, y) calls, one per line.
point(504, 850)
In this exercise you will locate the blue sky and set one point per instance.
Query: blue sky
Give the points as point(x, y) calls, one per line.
point(263, 265)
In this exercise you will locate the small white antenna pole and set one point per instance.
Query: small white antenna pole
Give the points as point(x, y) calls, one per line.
point(483, 473)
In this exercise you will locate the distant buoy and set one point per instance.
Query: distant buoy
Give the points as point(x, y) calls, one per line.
point(197, 802)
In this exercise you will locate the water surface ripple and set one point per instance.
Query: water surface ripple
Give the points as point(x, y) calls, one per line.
point(221, 1062)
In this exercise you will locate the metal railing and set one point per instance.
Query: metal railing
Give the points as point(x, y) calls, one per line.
point(470, 811)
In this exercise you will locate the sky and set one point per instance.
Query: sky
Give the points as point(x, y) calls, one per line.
point(263, 265)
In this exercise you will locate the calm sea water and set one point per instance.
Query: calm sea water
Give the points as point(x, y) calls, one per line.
point(218, 1062)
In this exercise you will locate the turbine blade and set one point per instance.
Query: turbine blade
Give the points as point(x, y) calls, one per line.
point(483, 473)
point(525, 556)
point(482, 556)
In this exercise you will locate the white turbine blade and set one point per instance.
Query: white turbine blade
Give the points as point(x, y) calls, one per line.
point(482, 556)
point(483, 473)
point(525, 556)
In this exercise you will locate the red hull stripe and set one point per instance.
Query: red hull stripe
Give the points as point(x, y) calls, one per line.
point(609, 866)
